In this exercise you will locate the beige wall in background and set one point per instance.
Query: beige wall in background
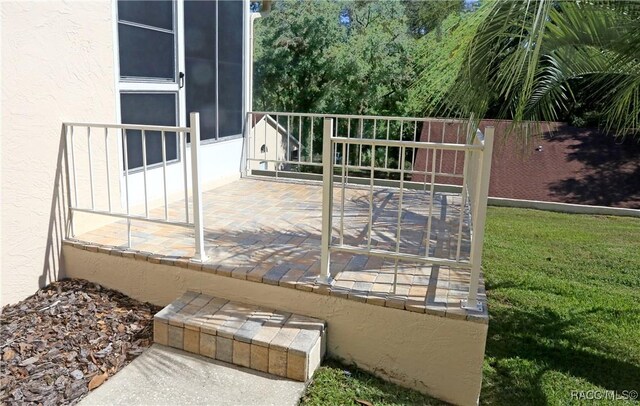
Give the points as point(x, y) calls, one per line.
point(57, 65)
point(264, 133)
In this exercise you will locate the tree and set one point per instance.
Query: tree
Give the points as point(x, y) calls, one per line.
point(439, 57)
point(295, 55)
point(527, 57)
point(353, 57)
point(427, 16)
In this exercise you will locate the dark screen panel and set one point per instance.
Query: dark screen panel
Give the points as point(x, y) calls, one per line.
point(200, 60)
point(146, 53)
point(230, 67)
point(149, 109)
point(157, 13)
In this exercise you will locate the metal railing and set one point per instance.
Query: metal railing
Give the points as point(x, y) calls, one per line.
point(286, 144)
point(405, 153)
point(121, 132)
point(475, 153)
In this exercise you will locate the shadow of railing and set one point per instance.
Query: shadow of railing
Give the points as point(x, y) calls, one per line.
point(57, 231)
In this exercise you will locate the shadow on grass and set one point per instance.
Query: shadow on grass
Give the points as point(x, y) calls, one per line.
point(337, 384)
point(524, 346)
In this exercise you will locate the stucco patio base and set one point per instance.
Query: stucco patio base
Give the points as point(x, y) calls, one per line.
point(436, 355)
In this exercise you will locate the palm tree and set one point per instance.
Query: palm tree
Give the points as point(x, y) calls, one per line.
point(527, 59)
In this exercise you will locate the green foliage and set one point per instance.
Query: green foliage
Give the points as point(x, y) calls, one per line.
point(526, 57)
point(353, 57)
point(295, 55)
point(425, 17)
point(439, 56)
point(374, 65)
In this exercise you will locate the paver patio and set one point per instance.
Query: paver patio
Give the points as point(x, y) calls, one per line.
point(268, 231)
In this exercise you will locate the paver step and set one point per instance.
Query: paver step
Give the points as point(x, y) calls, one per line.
point(267, 340)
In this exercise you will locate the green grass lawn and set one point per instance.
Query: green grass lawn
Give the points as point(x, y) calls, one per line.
point(564, 301)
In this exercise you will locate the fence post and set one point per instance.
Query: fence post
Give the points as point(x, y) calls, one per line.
point(327, 202)
point(196, 187)
point(482, 192)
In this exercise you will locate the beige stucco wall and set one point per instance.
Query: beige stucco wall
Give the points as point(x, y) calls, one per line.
point(436, 355)
point(57, 65)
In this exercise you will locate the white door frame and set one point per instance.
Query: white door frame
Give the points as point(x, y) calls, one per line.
point(151, 86)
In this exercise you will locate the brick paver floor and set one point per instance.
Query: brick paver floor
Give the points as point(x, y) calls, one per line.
point(269, 231)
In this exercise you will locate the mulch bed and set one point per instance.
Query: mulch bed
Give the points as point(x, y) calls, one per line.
point(67, 339)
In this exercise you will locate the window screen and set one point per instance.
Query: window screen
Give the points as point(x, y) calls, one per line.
point(230, 67)
point(217, 101)
point(146, 39)
point(150, 109)
point(200, 58)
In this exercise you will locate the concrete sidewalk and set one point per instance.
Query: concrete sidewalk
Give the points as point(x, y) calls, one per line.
point(166, 376)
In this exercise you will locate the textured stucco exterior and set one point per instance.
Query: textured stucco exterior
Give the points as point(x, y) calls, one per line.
point(436, 355)
point(57, 65)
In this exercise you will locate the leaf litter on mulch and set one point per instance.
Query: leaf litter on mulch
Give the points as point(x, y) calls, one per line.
point(67, 339)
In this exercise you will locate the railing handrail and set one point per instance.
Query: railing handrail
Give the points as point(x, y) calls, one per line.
point(475, 184)
point(181, 142)
point(359, 116)
point(131, 127)
point(407, 144)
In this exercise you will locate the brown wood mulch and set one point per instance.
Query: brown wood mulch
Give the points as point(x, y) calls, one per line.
point(67, 339)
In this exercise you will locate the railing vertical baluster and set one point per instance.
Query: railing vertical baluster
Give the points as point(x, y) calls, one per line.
point(344, 168)
point(426, 159)
point(375, 135)
point(288, 155)
point(400, 137)
point(482, 192)
point(415, 151)
point(431, 199)
point(348, 149)
point(93, 206)
point(360, 134)
point(198, 225)
point(277, 143)
point(372, 174)
point(70, 232)
point(126, 183)
point(399, 225)
point(463, 202)
point(255, 141)
point(444, 125)
point(73, 165)
point(246, 134)
point(299, 139)
point(183, 143)
point(164, 176)
point(335, 146)
point(455, 156)
point(311, 143)
point(144, 172)
point(386, 148)
point(266, 147)
point(327, 202)
point(106, 150)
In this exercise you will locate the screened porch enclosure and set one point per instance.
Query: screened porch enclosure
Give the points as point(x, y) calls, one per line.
point(174, 57)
